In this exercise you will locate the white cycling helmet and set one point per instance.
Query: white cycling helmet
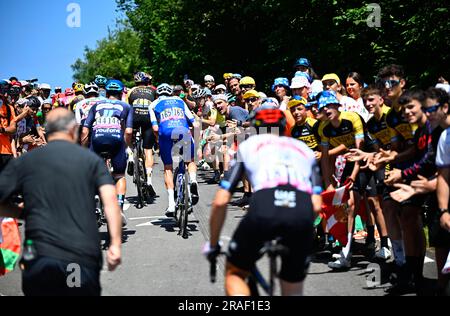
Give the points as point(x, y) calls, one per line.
point(90, 88)
point(209, 78)
point(199, 93)
point(164, 89)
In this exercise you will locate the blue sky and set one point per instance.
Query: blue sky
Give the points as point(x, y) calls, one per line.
point(38, 43)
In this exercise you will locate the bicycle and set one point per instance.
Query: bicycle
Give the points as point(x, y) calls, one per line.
point(139, 172)
point(273, 249)
point(99, 210)
point(183, 203)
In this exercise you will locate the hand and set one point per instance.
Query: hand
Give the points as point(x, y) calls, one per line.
point(211, 253)
point(231, 124)
point(422, 185)
point(445, 221)
point(318, 155)
point(394, 176)
point(357, 155)
point(403, 193)
point(352, 182)
point(114, 257)
point(29, 139)
point(384, 156)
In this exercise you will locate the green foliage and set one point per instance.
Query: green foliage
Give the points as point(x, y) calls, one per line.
point(262, 38)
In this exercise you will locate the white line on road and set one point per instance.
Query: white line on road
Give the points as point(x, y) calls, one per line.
point(126, 207)
point(428, 260)
point(146, 217)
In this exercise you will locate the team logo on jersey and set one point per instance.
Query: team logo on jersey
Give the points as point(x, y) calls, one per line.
point(285, 199)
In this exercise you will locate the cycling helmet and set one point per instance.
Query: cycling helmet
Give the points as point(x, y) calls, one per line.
point(34, 103)
point(164, 89)
point(68, 91)
point(78, 87)
point(269, 118)
point(302, 62)
point(91, 88)
point(100, 81)
point(114, 85)
point(142, 77)
point(199, 93)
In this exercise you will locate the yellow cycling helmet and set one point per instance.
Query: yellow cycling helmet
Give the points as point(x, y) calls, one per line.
point(78, 87)
point(296, 100)
point(247, 81)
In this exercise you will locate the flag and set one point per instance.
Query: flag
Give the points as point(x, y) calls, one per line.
point(334, 210)
point(10, 246)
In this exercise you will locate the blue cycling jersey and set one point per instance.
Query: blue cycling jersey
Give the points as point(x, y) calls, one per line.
point(170, 113)
point(109, 118)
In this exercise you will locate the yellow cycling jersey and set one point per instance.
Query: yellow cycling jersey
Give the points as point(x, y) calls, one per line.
point(219, 118)
point(397, 122)
point(379, 130)
point(349, 130)
point(307, 133)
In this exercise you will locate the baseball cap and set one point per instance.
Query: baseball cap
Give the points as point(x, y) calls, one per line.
point(220, 97)
point(45, 86)
point(247, 81)
point(227, 75)
point(296, 100)
point(251, 94)
point(209, 78)
point(302, 62)
point(326, 98)
point(220, 86)
point(300, 82)
point(331, 77)
point(237, 76)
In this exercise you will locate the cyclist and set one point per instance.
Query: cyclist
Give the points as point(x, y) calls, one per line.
point(170, 118)
point(79, 96)
point(101, 81)
point(287, 189)
point(140, 98)
point(111, 121)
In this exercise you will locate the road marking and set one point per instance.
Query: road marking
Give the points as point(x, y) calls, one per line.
point(146, 217)
point(428, 260)
point(126, 207)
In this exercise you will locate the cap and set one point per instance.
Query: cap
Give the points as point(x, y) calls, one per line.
point(262, 95)
point(177, 88)
point(326, 98)
point(220, 97)
point(227, 75)
point(304, 74)
point(247, 81)
point(45, 86)
point(237, 76)
point(331, 77)
point(280, 82)
point(300, 82)
point(220, 86)
point(209, 78)
point(296, 100)
point(302, 62)
point(251, 94)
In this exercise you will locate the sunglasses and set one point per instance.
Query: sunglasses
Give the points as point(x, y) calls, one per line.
point(251, 100)
point(391, 83)
point(220, 91)
point(246, 86)
point(431, 109)
point(329, 83)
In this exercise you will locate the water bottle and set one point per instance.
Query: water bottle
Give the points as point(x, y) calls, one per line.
point(29, 252)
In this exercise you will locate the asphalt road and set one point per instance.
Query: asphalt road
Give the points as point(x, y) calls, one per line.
point(158, 262)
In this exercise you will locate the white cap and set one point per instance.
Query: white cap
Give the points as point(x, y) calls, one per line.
point(443, 86)
point(220, 86)
point(209, 78)
point(262, 95)
point(45, 86)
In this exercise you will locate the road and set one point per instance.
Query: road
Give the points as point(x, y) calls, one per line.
point(158, 262)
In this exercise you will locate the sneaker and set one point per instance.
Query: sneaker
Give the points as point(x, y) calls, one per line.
point(170, 212)
point(205, 166)
point(194, 193)
point(150, 190)
point(341, 262)
point(216, 178)
point(124, 219)
point(384, 253)
point(244, 201)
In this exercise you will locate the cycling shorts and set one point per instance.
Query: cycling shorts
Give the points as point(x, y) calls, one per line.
point(175, 142)
point(116, 150)
point(367, 183)
point(146, 131)
point(267, 220)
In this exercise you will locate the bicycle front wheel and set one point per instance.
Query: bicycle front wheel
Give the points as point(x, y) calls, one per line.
point(185, 210)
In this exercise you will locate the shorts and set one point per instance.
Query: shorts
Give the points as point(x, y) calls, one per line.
point(115, 149)
point(348, 169)
point(266, 221)
point(184, 145)
point(367, 183)
point(146, 131)
point(4, 160)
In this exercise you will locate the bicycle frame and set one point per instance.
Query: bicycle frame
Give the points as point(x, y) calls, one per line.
point(140, 175)
point(183, 200)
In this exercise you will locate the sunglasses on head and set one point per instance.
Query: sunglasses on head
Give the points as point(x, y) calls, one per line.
point(431, 109)
point(391, 83)
point(251, 100)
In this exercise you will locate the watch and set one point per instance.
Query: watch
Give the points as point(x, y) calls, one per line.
point(442, 211)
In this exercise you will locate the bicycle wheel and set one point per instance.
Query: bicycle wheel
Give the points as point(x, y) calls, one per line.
point(138, 181)
point(185, 209)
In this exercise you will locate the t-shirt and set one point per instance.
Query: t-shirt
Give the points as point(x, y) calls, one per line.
point(349, 130)
point(59, 183)
point(238, 113)
point(443, 151)
point(357, 106)
point(380, 132)
point(5, 139)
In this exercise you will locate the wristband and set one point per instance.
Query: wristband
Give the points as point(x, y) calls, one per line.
point(442, 212)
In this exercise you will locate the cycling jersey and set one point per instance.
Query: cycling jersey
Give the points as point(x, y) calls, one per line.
point(83, 107)
point(307, 133)
point(140, 98)
point(397, 122)
point(286, 161)
point(172, 116)
point(73, 103)
point(380, 132)
point(443, 151)
point(349, 130)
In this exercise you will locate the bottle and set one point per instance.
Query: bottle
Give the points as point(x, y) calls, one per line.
point(29, 252)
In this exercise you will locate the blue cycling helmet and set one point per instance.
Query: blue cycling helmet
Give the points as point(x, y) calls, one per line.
point(114, 85)
point(100, 81)
point(142, 77)
point(326, 98)
point(280, 82)
point(302, 62)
